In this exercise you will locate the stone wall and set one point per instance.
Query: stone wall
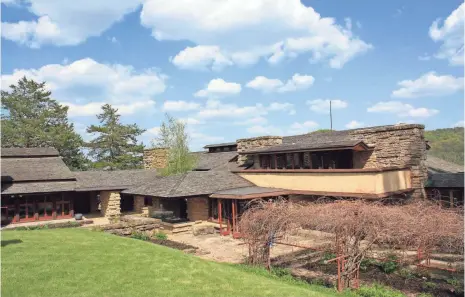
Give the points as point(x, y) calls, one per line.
point(247, 144)
point(110, 204)
point(197, 209)
point(155, 158)
point(395, 146)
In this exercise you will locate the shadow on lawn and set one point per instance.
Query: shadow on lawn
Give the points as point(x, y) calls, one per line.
point(13, 241)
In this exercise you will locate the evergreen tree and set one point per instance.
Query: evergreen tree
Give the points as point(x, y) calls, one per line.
point(30, 118)
point(174, 137)
point(116, 145)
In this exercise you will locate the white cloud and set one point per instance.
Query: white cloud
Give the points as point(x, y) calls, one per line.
point(424, 57)
point(402, 109)
point(94, 108)
point(192, 121)
point(322, 105)
point(113, 39)
point(218, 87)
point(305, 127)
point(201, 57)
point(65, 23)
point(264, 130)
point(429, 85)
point(216, 109)
point(201, 139)
point(354, 125)
point(285, 106)
point(236, 32)
point(459, 124)
point(153, 131)
point(252, 121)
point(450, 35)
point(180, 106)
point(85, 85)
point(297, 82)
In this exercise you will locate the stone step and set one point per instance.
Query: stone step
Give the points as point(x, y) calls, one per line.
point(181, 230)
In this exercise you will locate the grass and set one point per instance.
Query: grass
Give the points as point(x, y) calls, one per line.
point(80, 262)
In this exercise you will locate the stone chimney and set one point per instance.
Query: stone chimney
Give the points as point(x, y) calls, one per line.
point(155, 158)
point(247, 144)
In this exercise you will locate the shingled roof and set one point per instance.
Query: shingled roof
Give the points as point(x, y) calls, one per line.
point(445, 180)
point(193, 183)
point(437, 165)
point(113, 180)
point(35, 169)
point(309, 146)
point(212, 161)
point(18, 152)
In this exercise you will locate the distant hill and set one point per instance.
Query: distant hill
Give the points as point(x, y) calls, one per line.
point(446, 144)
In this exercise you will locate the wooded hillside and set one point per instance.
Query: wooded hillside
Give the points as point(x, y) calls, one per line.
point(446, 144)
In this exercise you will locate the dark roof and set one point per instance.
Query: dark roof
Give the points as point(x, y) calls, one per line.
point(18, 152)
point(220, 144)
point(35, 169)
point(308, 146)
point(445, 180)
point(192, 183)
point(113, 180)
point(38, 187)
point(437, 165)
point(249, 193)
point(211, 161)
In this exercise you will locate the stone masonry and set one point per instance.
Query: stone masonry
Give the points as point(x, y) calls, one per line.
point(155, 158)
point(110, 204)
point(246, 144)
point(400, 145)
point(140, 208)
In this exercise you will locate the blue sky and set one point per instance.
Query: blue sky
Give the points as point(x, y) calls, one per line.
point(234, 69)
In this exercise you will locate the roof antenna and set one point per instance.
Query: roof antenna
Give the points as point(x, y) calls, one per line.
point(330, 116)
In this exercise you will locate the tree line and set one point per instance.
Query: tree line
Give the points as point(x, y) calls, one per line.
point(32, 118)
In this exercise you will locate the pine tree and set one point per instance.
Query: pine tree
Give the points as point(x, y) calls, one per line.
point(30, 118)
point(115, 146)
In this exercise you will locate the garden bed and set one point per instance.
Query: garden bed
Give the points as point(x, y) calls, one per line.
point(51, 225)
point(173, 244)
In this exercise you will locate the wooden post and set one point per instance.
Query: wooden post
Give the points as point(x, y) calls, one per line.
point(219, 215)
point(71, 206)
point(292, 159)
point(275, 161)
point(54, 205)
point(451, 198)
point(233, 206)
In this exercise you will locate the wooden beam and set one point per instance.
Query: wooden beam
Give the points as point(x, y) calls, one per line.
point(451, 198)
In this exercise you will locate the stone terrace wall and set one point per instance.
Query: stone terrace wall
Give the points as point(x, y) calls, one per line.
point(197, 209)
point(395, 146)
point(246, 144)
point(155, 158)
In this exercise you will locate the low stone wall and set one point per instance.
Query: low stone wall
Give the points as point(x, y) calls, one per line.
point(128, 225)
point(197, 209)
point(110, 204)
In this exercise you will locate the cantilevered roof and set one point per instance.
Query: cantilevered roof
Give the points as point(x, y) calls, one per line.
point(438, 165)
point(113, 180)
point(37, 187)
point(249, 193)
point(220, 144)
point(35, 169)
point(445, 180)
point(17, 152)
point(311, 146)
point(193, 183)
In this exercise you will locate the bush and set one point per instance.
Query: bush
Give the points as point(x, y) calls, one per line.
point(161, 236)
point(378, 291)
point(366, 263)
point(140, 236)
point(390, 265)
point(429, 285)
point(406, 273)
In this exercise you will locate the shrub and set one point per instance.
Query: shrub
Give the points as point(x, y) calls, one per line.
point(429, 285)
point(390, 265)
point(366, 263)
point(378, 291)
point(406, 273)
point(161, 236)
point(140, 236)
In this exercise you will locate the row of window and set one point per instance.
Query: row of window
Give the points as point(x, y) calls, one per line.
point(308, 160)
point(35, 208)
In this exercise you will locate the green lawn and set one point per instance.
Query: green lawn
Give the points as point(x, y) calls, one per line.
point(80, 262)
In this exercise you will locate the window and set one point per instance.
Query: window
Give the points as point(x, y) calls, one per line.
point(280, 160)
point(148, 201)
point(62, 207)
point(289, 161)
point(265, 161)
